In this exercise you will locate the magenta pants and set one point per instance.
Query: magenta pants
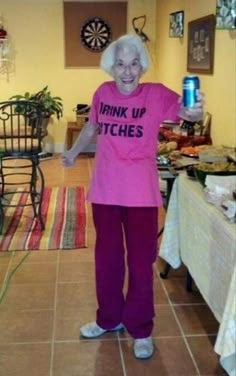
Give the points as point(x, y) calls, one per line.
point(125, 236)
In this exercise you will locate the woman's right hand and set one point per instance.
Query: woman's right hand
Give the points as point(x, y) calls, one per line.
point(83, 139)
point(68, 158)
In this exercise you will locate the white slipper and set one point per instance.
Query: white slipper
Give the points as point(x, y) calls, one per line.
point(143, 348)
point(93, 330)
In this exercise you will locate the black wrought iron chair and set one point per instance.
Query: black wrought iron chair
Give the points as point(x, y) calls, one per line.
point(21, 135)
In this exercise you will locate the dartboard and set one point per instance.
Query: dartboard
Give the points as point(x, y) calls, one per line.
point(95, 34)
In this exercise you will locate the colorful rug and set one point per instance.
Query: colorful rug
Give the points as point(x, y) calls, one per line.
point(64, 213)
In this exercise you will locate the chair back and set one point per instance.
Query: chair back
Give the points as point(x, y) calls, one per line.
point(21, 128)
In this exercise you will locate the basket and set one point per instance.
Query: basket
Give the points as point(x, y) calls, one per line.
point(81, 120)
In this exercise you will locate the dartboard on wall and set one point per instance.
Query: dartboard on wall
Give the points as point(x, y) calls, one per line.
point(95, 34)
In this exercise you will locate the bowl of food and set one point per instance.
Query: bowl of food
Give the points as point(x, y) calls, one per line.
point(201, 170)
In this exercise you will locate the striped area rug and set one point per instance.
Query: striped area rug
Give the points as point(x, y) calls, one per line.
point(64, 212)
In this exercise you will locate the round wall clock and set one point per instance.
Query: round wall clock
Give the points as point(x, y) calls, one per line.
point(95, 34)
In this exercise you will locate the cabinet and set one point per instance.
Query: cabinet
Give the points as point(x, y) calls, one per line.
point(73, 130)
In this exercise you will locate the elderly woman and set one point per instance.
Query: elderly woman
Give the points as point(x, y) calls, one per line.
point(124, 191)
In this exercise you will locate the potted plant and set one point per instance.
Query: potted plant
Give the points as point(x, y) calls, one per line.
point(52, 105)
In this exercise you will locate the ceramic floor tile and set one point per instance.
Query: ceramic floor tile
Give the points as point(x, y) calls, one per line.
point(5, 260)
point(35, 273)
point(203, 350)
point(165, 323)
point(160, 296)
point(76, 272)
point(87, 358)
point(72, 296)
point(5, 257)
point(176, 289)
point(3, 272)
point(171, 358)
point(36, 256)
point(84, 254)
point(68, 327)
point(25, 360)
point(26, 326)
point(196, 319)
point(29, 297)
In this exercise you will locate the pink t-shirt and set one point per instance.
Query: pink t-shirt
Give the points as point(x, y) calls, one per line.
point(125, 171)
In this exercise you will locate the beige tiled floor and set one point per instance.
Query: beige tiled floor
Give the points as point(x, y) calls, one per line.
point(51, 295)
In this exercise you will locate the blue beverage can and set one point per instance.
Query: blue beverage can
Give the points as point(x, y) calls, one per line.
point(190, 86)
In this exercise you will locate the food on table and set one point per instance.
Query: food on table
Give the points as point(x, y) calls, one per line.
point(194, 150)
point(175, 154)
point(217, 167)
point(166, 147)
point(215, 154)
point(220, 168)
point(190, 150)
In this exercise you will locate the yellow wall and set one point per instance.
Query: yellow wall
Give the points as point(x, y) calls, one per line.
point(36, 32)
point(219, 88)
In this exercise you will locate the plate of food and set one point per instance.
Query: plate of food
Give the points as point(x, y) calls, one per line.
point(194, 151)
point(190, 151)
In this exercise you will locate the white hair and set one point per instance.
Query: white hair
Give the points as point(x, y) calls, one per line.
point(129, 40)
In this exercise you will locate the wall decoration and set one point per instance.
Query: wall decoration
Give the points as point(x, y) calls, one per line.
point(226, 14)
point(138, 24)
point(89, 26)
point(201, 41)
point(176, 24)
point(95, 34)
point(6, 52)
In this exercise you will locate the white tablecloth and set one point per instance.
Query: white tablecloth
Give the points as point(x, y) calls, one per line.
point(197, 234)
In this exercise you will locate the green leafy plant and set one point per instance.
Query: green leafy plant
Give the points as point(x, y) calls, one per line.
point(52, 105)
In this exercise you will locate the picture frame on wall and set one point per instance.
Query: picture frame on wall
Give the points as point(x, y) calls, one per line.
point(226, 14)
point(201, 44)
point(176, 24)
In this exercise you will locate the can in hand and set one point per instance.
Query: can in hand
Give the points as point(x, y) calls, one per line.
point(190, 86)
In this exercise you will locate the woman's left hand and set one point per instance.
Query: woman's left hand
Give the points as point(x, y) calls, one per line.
point(194, 113)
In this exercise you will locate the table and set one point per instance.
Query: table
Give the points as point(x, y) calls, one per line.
point(197, 234)
point(73, 128)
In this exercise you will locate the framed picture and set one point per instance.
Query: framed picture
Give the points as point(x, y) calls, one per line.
point(201, 41)
point(226, 14)
point(176, 24)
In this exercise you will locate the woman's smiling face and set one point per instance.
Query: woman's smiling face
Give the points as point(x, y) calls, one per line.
point(127, 69)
